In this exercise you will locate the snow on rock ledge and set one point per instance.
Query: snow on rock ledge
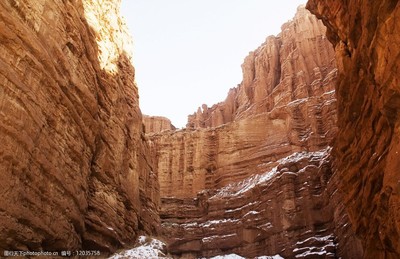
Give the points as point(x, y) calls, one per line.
point(283, 211)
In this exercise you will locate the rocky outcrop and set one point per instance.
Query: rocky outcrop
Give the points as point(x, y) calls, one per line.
point(76, 172)
point(252, 175)
point(189, 161)
point(282, 211)
point(154, 124)
point(365, 35)
point(296, 64)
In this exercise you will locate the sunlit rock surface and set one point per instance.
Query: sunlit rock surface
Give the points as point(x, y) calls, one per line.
point(252, 175)
point(296, 64)
point(367, 46)
point(75, 171)
point(154, 124)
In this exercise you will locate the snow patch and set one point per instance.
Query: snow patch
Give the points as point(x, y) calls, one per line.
point(267, 225)
point(211, 239)
point(316, 238)
point(236, 189)
point(235, 256)
point(270, 257)
point(147, 249)
point(308, 251)
point(249, 183)
point(218, 222)
point(251, 213)
point(229, 256)
point(240, 208)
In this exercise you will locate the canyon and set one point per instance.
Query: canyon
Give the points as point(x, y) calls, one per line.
point(253, 175)
point(300, 160)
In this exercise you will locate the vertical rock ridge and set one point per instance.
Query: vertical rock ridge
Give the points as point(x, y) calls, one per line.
point(366, 149)
point(287, 67)
point(76, 171)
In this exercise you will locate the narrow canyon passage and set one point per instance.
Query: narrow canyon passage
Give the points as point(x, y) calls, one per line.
point(252, 175)
point(301, 160)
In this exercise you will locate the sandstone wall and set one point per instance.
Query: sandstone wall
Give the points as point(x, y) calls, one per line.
point(252, 175)
point(154, 124)
point(283, 211)
point(75, 170)
point(189, 161)
point(298, 63)
point(365, 35)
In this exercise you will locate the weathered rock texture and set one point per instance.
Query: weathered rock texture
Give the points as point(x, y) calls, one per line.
point(365, 35)
point(296, 64)
point(74, 167)
point(251, 175)
point(154, 124)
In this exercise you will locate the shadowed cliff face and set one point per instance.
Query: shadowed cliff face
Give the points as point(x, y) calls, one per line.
point(252, 175)
point(365, 35)
point(75, 169)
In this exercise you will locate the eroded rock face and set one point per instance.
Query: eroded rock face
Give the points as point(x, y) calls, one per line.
point(72, 160)
point(189, 161)
point(296, 64)
point(282, 211)
point(154, 124)
point(252, 175)
point(366, 39)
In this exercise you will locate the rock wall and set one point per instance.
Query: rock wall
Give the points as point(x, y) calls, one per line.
point(154, 124)
point(284, 211)
point(296, 64)
point(76, 171)
point(252, 175)
point(365, 35)
point(191, 160)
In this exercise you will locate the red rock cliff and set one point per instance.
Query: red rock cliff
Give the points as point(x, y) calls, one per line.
point(74, 173)
point(365, 35)
point(260, 182)
point(298, 63)
point(154, 124)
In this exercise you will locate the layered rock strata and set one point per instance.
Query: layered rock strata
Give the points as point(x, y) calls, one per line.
point(251, 175)
point(154, 124)
point(295, 64)
point(189, 161)
point(365, 35)
point(283, 211)
point(76, 171)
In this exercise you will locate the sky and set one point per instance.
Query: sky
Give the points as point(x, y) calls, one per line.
point(189, 52)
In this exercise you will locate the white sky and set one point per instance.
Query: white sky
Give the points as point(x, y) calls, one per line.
point(189, 52)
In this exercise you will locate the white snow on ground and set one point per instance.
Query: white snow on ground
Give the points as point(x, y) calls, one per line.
point(230, 256)
point(235, 256)
point(148, 248)
point(247, 184)
point(270, 257)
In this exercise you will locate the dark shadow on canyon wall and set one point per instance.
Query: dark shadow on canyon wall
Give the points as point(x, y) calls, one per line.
point(366, 150)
